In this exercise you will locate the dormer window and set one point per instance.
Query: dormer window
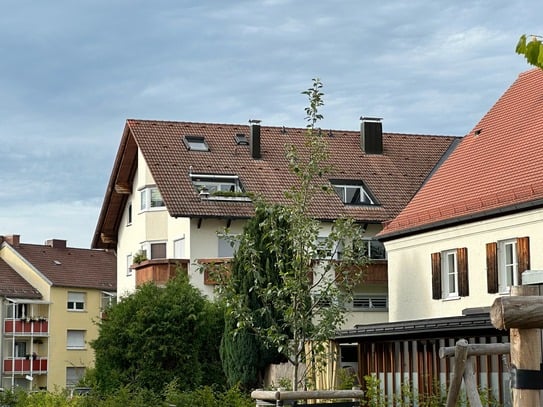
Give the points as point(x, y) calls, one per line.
point(353, 193)
point(218, 187)
point(195, 143)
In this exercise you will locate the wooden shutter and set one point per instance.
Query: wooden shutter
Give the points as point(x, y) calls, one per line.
point(492, 267)
point(436, 276)
point(463, 280)
point(523, 256)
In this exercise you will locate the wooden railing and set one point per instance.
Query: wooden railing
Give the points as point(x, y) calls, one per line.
point(159, 271)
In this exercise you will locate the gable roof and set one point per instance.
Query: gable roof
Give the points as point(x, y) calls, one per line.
point(392, 177)
point(496, 168)
point(70, 267)
point(13, 285)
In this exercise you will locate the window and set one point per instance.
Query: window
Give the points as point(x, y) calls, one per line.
point(76, 301)
point(107, 300)
point(368, 302)
point(20, 349)
point(195, 143)
point(327, 249)
point(218, 186)
point(75, 339)
point(374, 249)
point(150, 198)
point(352, 193)
point(129, 262)
point(129, 215)
point(154, 250)
point(450, 274)
point(179, 248)
point(228, 245)
point(17, 310)
point(73, 375)
point(506, 260)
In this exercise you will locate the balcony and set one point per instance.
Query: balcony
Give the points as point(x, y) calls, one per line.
point(216, 269)
point(25, 365)
point(159, 271)
point(374, 273)
point(26, 327)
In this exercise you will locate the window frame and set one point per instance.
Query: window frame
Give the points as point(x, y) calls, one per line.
point(363, 192)
point(80, 344)
point(224, 241)
point(373, 302)
point(494, 264)
point(195, 143)
point(462, 282)
point(219, 187)
point(449, 288)
point(147, 247)
point(72, 298)
point(147, 202)
point(129, 262)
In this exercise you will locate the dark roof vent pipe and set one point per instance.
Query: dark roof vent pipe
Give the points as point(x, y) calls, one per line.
point(371, 135)
point(254, 140)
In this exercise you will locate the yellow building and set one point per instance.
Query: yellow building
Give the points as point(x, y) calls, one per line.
point(51, 297)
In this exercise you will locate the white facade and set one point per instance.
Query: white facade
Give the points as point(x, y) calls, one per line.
point(195, 239)
point(410, 265)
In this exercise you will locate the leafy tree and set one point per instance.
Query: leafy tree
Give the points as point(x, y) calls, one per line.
point(157, 335)
point(245, 355)
point(295, 293)
point(532, 50)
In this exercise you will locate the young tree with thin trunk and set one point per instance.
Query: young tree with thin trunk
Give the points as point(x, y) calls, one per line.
point(302, 298)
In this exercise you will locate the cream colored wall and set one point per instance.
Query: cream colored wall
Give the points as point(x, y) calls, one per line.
point(61, 320)
point(146, 226)
point(409, 265)
point(26, 270)
point(204, 243)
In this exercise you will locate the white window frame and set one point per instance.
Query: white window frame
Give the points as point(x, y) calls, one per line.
point(209, 184)
point(343, 189)
point(76, 301)
point(129, 262)
point(151, 199)
point(507, 268)
point(370, 302)
point(179, 248)
point(147, 248)
point(449, 273)
point(74, 375)
point(129, 214)
point(75, 339)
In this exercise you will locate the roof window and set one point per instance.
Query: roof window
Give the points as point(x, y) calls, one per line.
point(353, 192)
point(219, 187)
point(195, 143)
point(241, 139)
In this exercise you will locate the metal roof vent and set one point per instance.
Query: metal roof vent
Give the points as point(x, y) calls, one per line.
point(241, 139)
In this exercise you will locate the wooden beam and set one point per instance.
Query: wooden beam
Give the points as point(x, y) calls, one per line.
point(123, 188)
point(460, 358)
point(108, 239)
point(478, 349)
point(525, 312)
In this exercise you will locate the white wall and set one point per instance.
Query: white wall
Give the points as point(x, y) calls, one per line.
point(409, 264)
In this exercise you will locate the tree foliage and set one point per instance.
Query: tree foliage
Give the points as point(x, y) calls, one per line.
point(156, 335)
point(245, 355)
point(293, 292)
point(531, 49)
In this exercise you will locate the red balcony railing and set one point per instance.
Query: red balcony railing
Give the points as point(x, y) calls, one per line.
point(24, 365)
point(21, 326)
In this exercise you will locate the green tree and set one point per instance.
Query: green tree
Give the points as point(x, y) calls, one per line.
point(300, 294)
point(532, 49)
point(157, 335)
point(245, 355)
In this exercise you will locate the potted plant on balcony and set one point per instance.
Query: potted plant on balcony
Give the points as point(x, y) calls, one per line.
point(139, 257)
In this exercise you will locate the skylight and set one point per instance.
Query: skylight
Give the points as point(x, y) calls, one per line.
point(241, 139)
point(195, 143)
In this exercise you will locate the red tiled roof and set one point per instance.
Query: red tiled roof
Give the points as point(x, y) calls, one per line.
point(497, 165)
point(392, 177)
point(71, 267)
point(13, 285)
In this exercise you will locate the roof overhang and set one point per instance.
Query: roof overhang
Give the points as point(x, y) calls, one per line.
point(479, 216)
point(27, 301)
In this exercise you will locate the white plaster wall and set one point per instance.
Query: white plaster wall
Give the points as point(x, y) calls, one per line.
point(409, 264)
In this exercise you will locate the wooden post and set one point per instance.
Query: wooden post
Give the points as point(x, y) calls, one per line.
point(460, 357)
point(471, 384)
point(523, 315)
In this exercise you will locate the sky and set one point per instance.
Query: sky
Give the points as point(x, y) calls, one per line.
point(73, 71)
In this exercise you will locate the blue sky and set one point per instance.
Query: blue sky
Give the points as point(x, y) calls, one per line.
point(72, 72)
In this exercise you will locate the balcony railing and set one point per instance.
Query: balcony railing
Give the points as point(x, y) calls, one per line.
point(25, 365)
point(159, 271)
point(215, 269)
point(24, 328)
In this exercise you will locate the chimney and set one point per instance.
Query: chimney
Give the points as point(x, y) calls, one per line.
point(254, 142)
point(13, 240)
point(56, 243)
point(371, 135)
